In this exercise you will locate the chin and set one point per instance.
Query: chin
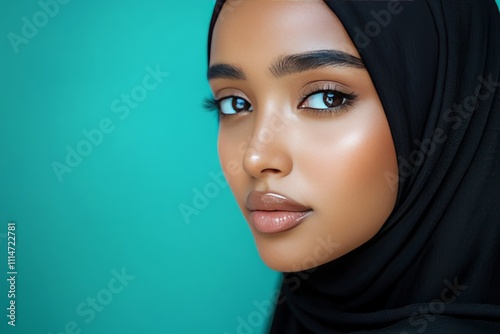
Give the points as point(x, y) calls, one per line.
point(285, 255)
point(287, 264)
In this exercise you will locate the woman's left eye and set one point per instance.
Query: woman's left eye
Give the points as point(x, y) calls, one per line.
point(327, 99)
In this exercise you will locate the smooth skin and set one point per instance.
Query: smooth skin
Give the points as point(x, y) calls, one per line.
point(333, 162)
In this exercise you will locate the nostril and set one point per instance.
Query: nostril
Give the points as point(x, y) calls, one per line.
point(271, 170)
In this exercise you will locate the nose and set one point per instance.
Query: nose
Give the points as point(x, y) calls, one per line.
point(268, 152)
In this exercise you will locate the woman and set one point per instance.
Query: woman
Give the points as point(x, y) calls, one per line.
point(361, 142)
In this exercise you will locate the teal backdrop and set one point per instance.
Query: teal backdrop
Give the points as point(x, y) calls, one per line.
point(110, 176)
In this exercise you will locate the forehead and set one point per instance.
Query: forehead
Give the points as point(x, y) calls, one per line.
point(261, 30)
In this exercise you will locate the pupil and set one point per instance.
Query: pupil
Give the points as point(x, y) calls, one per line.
point(239, 104)
point(329, 98)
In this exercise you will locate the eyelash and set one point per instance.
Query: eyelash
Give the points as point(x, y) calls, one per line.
point(212, 104)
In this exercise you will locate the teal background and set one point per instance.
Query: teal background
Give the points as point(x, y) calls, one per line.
point(119, 208)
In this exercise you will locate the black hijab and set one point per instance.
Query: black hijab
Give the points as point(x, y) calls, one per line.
point(435, 264)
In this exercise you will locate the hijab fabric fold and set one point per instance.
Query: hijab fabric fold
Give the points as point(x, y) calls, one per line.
point(435, 264)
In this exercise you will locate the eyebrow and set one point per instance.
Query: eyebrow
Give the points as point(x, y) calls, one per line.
point(225, 71)
point(290, 64)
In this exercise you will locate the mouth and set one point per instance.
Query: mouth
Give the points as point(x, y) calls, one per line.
point(272, 213)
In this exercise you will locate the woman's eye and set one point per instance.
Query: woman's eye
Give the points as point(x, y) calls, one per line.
point(324, 100)
point(233, 105)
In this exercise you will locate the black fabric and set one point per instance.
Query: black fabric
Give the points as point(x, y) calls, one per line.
point(435, 264)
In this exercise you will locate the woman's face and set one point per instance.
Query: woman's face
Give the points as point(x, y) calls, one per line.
point(303, 139)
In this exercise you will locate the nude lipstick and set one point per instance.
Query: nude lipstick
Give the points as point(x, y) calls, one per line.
point(272, 213)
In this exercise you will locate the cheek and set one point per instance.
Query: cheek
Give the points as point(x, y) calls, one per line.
point(231, 148)
point(356, 158)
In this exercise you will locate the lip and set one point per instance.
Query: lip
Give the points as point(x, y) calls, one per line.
point(272, 212)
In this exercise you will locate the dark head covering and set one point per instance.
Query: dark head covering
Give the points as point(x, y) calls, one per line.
point(435, 264)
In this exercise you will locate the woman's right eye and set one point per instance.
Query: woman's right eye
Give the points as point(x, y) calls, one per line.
point(233, 104)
